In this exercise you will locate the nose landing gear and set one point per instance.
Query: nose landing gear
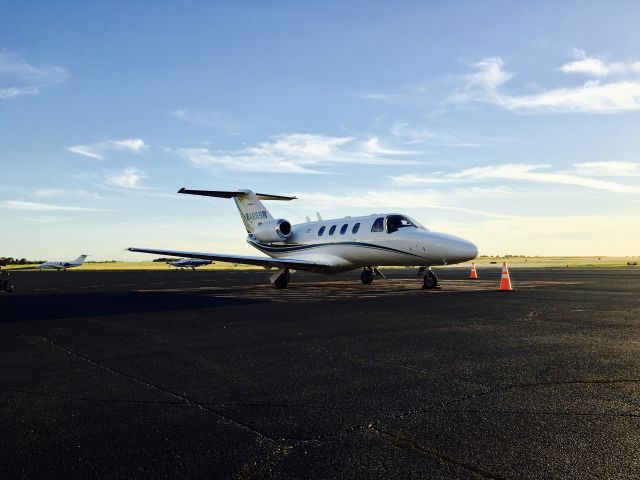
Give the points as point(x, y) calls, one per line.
point(367, 275)
point(430, 280)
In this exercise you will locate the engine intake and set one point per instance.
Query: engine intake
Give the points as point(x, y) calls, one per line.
point(273, 231)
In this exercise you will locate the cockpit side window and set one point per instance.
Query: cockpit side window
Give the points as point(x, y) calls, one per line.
point(321, 231)
point(395, 222)
point(332, 230)
point(378, 225)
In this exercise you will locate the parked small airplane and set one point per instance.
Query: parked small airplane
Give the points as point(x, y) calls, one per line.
point(63, 265)
point(334, 246)
point(191, 263)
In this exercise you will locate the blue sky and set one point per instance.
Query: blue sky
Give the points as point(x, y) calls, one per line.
point(515, 126)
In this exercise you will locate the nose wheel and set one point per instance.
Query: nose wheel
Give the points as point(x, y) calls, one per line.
point(367, 275)
point(430, 280)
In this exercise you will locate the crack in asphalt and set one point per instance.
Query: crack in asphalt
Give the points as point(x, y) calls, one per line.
point(275, 405)
point(440, 406)
point(249, 469)
point(183, 398)
point(401, 441)
point(356, 356)
point(541, 412)
point(282, 447)
point(536, 384)
point(177, 403)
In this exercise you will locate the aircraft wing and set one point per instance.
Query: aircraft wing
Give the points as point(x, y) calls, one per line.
point(259, 261)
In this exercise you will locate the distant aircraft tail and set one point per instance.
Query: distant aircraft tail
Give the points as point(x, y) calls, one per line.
point(80, 260)
point(252, 211)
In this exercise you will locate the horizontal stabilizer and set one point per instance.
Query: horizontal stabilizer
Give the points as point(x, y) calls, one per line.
point(222, 194)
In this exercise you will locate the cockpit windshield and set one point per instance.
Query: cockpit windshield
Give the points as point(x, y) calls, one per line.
point(417, 224)
point(396, 222)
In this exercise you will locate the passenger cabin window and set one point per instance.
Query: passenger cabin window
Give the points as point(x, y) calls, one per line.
point(396, 222)
point(321, 231)
point(356, 227)
point(332, 230)
point(343, 230)
point(378, 225)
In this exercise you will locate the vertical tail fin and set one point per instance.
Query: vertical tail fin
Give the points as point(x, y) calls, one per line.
point(251, 209)
point(80, 259)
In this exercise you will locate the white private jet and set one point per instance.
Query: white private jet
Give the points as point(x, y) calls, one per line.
point(334, 246)
point(63, 265)
point(191, 263)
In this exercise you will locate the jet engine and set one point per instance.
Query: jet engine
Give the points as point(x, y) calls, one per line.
point(273, 231)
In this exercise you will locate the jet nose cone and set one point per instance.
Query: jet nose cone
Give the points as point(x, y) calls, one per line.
point(452, 249)
point(470, 250)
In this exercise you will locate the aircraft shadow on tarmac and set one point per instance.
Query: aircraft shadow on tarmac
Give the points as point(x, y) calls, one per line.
point(27, 308)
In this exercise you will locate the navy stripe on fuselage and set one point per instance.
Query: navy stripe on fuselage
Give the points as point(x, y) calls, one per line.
point(297, 248)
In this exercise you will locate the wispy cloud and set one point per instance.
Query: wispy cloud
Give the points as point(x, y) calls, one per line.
point(19, 78)
point(46, 219)
point(130, 177)
point(98, 150)
point(598, 67)
point(515, 171)
point(207, 118)
point(381, 96)
point(299, 153)
point(609, 169)
point(389, 199)
point(490, 75)
point(415, 134)
point(13, 92)
point(615, 88)
point(46, 207)
point(63, 192)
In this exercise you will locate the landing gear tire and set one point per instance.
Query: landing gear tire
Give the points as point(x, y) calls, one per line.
point(430, 280)
point(367, 276)
point(283, 280)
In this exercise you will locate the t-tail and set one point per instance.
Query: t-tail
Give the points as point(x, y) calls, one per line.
point(252, 211)
point(80, 260)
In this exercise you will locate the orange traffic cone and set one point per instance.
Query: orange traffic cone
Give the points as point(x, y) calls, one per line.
point(505, 281)
point(473, 275)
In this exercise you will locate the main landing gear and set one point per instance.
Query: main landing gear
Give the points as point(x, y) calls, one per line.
point(5, 283)
point(281, 278)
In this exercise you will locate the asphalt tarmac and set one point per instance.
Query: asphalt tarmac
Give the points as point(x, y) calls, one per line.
point(213, 374)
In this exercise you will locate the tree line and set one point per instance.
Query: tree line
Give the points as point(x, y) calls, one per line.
point(17, 261)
